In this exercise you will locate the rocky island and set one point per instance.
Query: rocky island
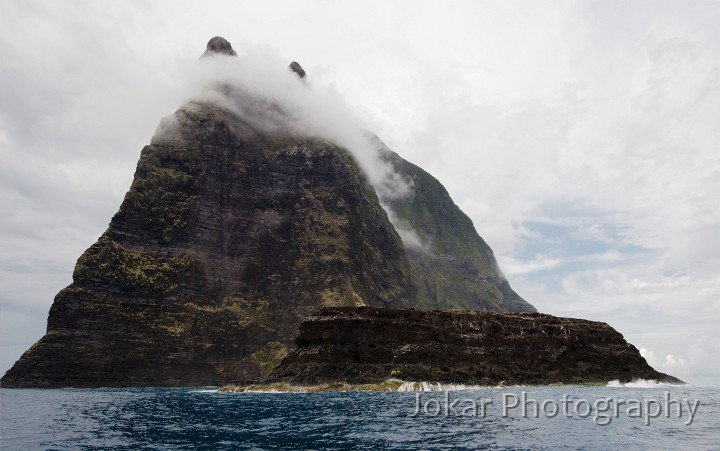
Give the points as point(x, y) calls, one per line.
point(241, 224)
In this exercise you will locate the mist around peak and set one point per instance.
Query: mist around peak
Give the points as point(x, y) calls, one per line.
point(274, 98)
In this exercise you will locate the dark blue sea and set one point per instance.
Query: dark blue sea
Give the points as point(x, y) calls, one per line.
point(635, 416)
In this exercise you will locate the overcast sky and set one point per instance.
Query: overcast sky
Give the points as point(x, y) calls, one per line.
point(581, 137)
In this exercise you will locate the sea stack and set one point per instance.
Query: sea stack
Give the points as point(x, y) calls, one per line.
point(231, 235)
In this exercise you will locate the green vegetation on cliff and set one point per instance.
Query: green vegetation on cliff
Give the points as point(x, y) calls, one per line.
point(454, 268)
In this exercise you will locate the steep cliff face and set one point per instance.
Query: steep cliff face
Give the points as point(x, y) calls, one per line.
point(231, 234)
point(371, 345)
point(453, 266)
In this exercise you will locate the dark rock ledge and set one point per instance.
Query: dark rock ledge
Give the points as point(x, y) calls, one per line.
point(348, 347)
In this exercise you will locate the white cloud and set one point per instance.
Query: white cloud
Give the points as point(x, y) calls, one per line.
point(593, 232)
point(537, 263)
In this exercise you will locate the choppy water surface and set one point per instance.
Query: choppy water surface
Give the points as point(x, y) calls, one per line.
point(471, 419)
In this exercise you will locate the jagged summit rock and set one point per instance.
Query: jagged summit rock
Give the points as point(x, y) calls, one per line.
point(297, 68)
point(219, 45)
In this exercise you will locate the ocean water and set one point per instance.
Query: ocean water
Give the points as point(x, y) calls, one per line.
point(633, 416)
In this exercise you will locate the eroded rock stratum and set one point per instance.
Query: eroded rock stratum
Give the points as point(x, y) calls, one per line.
point(368, 345)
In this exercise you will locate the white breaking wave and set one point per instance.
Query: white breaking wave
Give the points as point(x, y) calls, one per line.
point(639, 383)
point(436, 386)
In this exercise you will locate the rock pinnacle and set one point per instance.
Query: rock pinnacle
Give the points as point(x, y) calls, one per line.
point(297, 68)
point(219, 45)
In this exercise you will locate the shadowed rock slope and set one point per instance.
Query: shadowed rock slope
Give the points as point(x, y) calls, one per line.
point(228, 238)
point(370, 345)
